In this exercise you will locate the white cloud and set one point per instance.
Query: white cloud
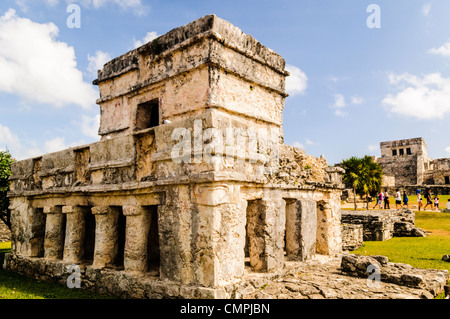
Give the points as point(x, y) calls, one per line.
point(97, 61)
point(357, 100)
point(297, 82)
point(59, 144)
point(8, 140)
point(426, 97)
point(426, 9)
point(444, 50)
point(56, 144)
point(150, 36)
point(447, 150)
point(339, 105)
point(137, 6)
point(299, 145)
point(339, 101)
point(125, 4)
point(26, 148)
point(36, 67)
point(11, 141)
point(336, 79)
point(90, 125)
point(373, 148)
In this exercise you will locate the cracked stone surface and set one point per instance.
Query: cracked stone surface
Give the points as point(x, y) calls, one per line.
point(324, 279)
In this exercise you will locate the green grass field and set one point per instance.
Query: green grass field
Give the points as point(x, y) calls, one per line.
point(14, 286)
point(421, 252)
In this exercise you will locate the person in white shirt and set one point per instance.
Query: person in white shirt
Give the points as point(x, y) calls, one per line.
point(398, 199)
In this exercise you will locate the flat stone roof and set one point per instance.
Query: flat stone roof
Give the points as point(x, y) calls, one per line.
point(209, 25)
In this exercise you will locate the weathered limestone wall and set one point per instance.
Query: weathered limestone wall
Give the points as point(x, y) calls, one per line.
point(28, 228)
point(383, 225)
point(180, 203)
point(5, 233)
point(404, 169)
point(414, 167)
point(352, 236)
point(417, 146)
point(212, 68)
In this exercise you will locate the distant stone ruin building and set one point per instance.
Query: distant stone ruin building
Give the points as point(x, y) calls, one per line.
point(406, 163)
point(190, 188)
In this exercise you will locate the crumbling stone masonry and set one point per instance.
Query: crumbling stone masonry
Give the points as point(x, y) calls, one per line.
point(382, 225)
point(177, 198)
point(352, 236)
point(5, 233)
point(432, 281)
point(406, 164)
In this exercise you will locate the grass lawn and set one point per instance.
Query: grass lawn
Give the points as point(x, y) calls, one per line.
point(14, 286)
point(421, 252)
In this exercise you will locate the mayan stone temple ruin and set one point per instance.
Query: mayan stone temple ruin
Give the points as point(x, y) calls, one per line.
point(178, 199)
point(406, 164)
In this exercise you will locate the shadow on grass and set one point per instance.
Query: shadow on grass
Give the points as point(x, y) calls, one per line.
point(15, 286)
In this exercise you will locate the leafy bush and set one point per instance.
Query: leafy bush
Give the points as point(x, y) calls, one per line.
point(6, 160)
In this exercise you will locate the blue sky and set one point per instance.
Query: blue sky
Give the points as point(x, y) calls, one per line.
point(351, 86)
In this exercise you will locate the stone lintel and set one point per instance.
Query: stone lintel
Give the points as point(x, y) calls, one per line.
point(133, 210)
point(101, 210)
point(72, 209)
point(53, 210)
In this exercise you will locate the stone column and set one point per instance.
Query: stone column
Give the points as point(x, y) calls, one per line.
point(106, 236)
point(301, 229)
point(266, 219)
point(136, 238)
point(176, 217)
point(329, 238)
point(218, 234)
point(54, 233)
point(75, 232)
point(274, 216)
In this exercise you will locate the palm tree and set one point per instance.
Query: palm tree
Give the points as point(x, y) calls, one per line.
point(362, 175)
point(373, 177)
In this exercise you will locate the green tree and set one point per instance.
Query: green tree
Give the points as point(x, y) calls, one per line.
point(362, 175)
point(6, 160)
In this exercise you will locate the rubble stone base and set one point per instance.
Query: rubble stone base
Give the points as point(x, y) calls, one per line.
point(431, 280)
point(126, 285)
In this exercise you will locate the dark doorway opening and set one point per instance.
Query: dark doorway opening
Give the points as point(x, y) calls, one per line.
point(147, 115)
point(121, 225)
point(89, 237)
point(153, 250)
point(38, 231)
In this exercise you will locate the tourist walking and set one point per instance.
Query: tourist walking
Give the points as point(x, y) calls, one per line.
point(436, 202)
point(405, 200)
point(386, 199)
point(379, 201)
point(419, 199)
point(398, 199)
point(429, 201)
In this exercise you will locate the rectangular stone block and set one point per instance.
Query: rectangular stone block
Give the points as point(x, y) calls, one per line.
point(301, 229)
